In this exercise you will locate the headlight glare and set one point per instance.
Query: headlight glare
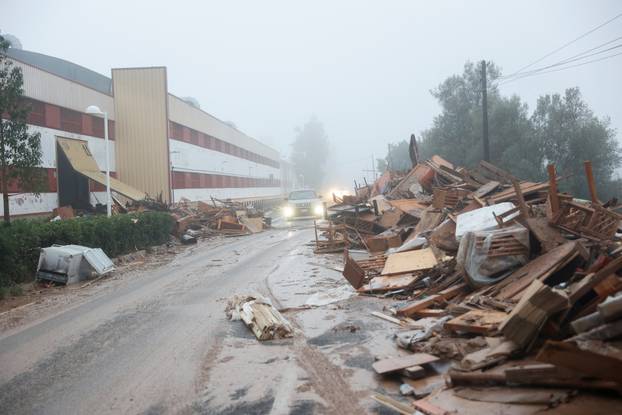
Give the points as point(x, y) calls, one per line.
point(288, 211)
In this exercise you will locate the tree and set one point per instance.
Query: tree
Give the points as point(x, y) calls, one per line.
point(570, 133)
point(456, 134)
point(20, 151)
point(310, 152)
point(397, 157)
point(561, 130)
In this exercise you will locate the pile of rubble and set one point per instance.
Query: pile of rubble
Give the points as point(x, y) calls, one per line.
point(505, 287)
point(221, 217)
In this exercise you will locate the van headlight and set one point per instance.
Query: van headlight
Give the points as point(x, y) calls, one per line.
point(318, 210)
point(288, 211)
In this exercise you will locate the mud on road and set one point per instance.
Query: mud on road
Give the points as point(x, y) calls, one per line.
point(155, 339)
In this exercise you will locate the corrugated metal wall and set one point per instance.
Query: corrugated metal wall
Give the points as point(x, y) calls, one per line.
point(183, 113)
point(140, 99)
point(46, 87)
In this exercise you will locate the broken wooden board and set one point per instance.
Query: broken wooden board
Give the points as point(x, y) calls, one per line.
point(596, 363)
point(486, 188)
point(255, 225)
point(426, 385)
point(548, 236)
point(430, 219)
point(353, 272)
point(521, 396)
point(538, 303)
point(409, 206)
point(398, 363)
point(590, 281)
point(430, 312)
point(539, 268)
point(414, 372)
point(411, 308)
point(390, 218)
point(394, 282)
point(260, 317)
point(409, 261)
point(477, 321)
point(393, 404)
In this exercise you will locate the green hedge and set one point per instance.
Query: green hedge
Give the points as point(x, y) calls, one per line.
point(117, 235)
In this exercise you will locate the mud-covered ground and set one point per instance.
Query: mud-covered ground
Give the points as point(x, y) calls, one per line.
point(153, 337)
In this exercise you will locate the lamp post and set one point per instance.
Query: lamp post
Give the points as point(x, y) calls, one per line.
point(171, 174)
point(94, 110)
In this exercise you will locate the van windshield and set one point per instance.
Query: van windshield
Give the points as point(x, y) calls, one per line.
point(302, 194)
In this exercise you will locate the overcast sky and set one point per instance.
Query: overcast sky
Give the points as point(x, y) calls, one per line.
point(363, 68)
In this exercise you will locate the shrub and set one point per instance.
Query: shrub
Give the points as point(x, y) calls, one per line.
point(21, 241)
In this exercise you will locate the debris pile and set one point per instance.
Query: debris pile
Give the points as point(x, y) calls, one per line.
point(260, 317)
point(221, 217)
point(502, 285)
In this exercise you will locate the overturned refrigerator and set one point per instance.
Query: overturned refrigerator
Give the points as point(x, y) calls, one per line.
point(68, 264)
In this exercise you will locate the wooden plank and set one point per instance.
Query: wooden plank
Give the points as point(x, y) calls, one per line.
point(590, 281)
point(393, 404)
point(402, 262)
point(414, 372)
point(537, 304)
point(548, 236)
point(412, 308)
point(524, 209)
point(353, 272)
point(398, 363)
point(430, 312)
point(589, 362)
point(591, 183)
point(539, 268)
point(553, 195)
point(486, 189)
point(427, 408)
point(387, 318)
point(477, 321)
point(389, 283)
point(451, 292)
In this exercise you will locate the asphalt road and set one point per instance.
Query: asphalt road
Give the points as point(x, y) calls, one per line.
point(160, 343)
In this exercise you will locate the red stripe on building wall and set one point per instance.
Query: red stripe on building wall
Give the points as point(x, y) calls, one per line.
point(186, 134)
point(49, 183)
point(61, 118)
point(188, 180)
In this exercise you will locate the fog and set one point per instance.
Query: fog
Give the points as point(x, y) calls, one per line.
point(365, 69)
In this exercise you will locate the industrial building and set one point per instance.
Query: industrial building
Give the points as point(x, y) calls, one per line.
point(160, 145)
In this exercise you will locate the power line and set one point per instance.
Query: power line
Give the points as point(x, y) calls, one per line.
point(560, 69)
point(565, 45)
point(596, 47)
point(563, 62)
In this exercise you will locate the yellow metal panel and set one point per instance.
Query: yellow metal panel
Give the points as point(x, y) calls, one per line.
point(141, 127)
point(82, 161)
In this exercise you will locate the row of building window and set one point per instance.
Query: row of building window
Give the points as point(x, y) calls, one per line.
point(65, 119)
point(189, 135)
point(187, 180)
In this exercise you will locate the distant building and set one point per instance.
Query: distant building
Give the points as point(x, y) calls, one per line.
point(160, 144)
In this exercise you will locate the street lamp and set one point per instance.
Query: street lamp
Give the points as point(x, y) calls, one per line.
point(94, 110)
point(171, 173)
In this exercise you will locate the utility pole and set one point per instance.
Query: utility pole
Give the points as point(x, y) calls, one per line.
point(373, 167)
point(485, 114)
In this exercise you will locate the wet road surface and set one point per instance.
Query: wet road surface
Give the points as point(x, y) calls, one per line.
point(159, 342)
